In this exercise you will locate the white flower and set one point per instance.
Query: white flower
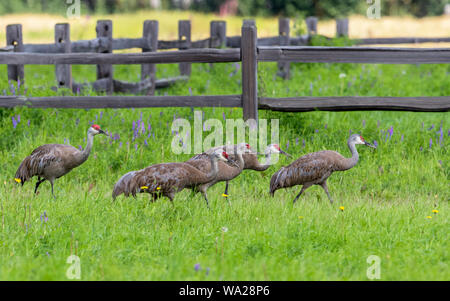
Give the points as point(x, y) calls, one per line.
point(342, 75)
point(224, 229)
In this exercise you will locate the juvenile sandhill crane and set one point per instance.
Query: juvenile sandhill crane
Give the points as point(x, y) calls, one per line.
point(315, 168)
point(226, 172)
point(52, 161)
point(167, 179)
point(122, 185)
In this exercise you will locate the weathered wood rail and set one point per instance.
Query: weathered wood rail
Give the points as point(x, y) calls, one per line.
point(249, 54)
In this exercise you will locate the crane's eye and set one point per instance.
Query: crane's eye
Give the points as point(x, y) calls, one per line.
point(362, 139)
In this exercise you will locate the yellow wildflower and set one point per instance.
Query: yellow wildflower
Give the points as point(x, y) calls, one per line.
point(428, 216)
point(342, 208)
point(224, 195)
point(300, 217)
point(144, 187)
point(435, 211)
point(158, 188)
point(17, 180)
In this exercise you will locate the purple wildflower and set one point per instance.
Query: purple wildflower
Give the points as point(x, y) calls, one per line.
point(145, 142)
point(296, 141)
point(197, 267)
point(364, 123)
point(431, 127)
point(120, 144)
point(391, 131)
point(421, 148)
point(401, 139)
point(80, 147)
point(28, 122)
point(375, 143)
point(303, 143)
point(14, 122)
point(441, 136)
point(431, 142)
point(190, 91)
point(207, 271)
point(18, 118)
point(47, 254)
point(136, 146)
point(223, 116)
point(287, 145)
point(326, 125)
point(45, 217)
point(101, 114)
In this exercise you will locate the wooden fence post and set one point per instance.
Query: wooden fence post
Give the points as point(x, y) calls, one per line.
point(184, 34)
point(218, 34)
point(311, 25)
point(151, 36)
point(249, 71)
point(63, 73)
point(342, 28)
point(283, 31)
point(14, 38)
point(104, 30)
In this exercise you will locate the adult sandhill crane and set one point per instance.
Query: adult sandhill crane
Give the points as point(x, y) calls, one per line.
point(315, 168)
point(226, 172)
point(166, 179)
point(52, 161)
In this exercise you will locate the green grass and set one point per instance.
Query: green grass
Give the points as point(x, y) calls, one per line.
point(387, 196)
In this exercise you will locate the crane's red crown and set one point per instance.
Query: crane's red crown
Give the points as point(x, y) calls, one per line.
point(247, 145)
point(225, 155)
point(362, 139)
point(96, 127)
point(276, 146)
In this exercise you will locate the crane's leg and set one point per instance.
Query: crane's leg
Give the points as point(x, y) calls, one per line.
point(226, 188)
point(304, 187)
point(225, 194)
point(37, 184)
point(51, 182)
point(325, 187)
point(206, 199)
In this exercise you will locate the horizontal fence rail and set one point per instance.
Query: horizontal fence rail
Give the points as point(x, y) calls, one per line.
point(356, 103)
point(250, 51)
point(209, 55)
point(93, 102)
point(375, 55)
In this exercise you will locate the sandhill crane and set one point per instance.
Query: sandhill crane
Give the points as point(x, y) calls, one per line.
point(226, 172)
point(52, 161)
point(166, 179)
point(315, 168)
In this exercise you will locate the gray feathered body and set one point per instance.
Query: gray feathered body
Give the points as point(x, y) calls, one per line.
point(50, 161)
point(310, 169)
point(164, 179)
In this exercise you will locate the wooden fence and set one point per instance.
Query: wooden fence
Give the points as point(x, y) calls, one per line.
point(251, 51)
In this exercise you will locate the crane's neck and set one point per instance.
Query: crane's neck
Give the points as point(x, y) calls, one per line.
point(87, 150)
point(267, 164)
point(350, 162)
point(211, 175)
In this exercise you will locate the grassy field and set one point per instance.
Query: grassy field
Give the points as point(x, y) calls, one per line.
point(388, 198)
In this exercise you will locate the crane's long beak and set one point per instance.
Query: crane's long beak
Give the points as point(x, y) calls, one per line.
point(369, 145)
point(284, 153)
point(102, 132)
